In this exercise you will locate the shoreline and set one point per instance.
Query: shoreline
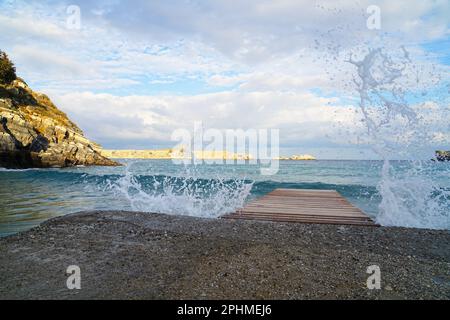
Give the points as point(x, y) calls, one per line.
point(135, 255)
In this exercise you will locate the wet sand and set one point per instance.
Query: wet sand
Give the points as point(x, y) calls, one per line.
point(134, 255)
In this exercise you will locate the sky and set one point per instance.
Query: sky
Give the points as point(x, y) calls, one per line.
point(135, 71)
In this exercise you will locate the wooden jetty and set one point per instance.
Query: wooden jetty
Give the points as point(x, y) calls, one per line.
point(303, 206)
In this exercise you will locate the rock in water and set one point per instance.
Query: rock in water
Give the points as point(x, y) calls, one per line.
point(34, 133)
point(443, 155)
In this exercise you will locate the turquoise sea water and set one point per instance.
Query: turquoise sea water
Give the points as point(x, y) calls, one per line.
point(29, 197)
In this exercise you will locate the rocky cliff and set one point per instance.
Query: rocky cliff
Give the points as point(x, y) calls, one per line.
point(35, 133)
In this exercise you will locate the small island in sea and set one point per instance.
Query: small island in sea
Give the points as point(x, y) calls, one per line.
point(298, 157)
point(442, 155)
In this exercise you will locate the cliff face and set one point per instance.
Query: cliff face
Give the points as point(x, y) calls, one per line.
point(35, 133)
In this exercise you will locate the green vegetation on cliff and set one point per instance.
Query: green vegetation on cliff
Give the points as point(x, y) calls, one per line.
point(7, 69)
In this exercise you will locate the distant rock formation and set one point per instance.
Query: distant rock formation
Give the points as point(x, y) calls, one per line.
point(138, 154)
point(442, 155)
point(173, 154)
point(35, 133)
point(298, 157)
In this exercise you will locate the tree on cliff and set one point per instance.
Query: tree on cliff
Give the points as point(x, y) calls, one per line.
point(7, 69)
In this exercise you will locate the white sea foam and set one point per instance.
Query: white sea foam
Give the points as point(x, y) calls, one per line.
point(412, 198)
point(187, 195)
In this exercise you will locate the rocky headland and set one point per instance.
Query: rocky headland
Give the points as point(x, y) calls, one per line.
point(34, 133)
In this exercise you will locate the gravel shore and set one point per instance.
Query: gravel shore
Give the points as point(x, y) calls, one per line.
point(135, 255)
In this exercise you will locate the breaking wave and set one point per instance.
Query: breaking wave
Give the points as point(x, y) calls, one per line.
point(416, 194)
point(182, 195)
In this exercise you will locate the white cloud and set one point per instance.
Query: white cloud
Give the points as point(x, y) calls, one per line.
point(28, 26)
point(256, 31)
point(271, 45)
point(154, 118)
point(305, 120)
point(40, 60)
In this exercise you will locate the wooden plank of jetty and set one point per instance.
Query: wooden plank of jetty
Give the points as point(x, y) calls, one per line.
point(303, 206)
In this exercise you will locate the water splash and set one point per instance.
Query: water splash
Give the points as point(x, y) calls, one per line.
point(411, 197)
point(185, 195)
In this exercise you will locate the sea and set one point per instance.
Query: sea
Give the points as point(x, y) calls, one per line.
point(413, 194)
